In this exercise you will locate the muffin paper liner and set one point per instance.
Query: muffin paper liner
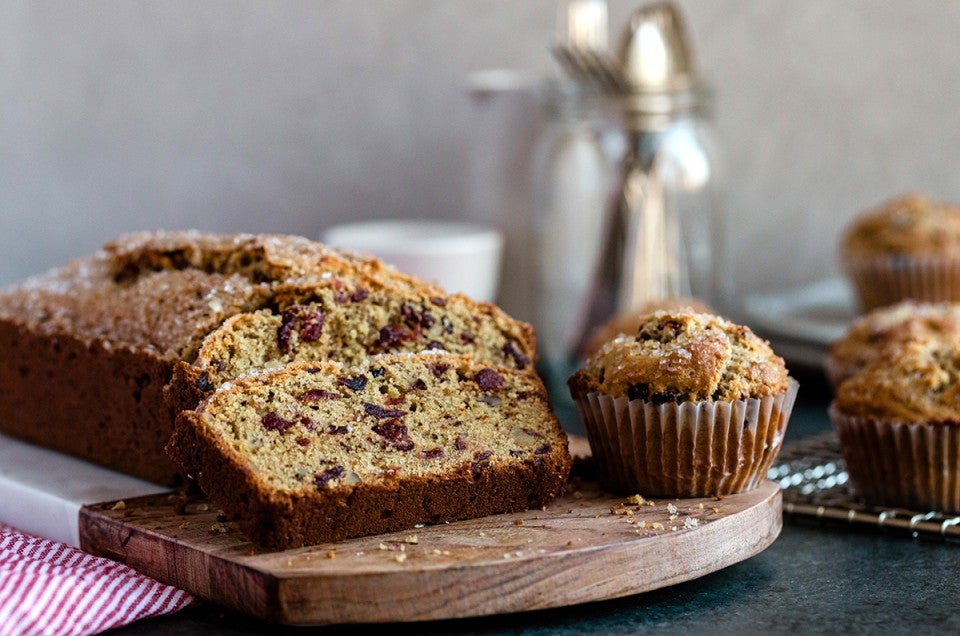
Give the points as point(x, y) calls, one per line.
point(691, 449)
point(887, 279)
point(914, 465)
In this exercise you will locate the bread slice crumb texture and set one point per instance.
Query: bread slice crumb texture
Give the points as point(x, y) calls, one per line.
point(349, 321)
point(319, 426)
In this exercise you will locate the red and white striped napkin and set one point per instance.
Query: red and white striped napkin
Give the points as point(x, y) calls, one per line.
point(50, 588)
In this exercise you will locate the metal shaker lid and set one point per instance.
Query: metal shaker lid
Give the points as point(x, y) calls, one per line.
point(657, 60)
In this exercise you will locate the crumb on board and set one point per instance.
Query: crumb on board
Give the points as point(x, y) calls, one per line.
point(400, 558)
point(331, 554)
point(412, 539)
point(638, 500)
point(120, 505)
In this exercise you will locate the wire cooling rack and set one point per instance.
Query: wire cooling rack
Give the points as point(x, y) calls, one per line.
point(815, 485)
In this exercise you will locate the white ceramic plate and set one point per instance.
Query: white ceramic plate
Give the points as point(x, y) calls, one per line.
point(810, 317)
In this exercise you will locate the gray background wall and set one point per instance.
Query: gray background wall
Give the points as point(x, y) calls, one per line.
point(291, 116)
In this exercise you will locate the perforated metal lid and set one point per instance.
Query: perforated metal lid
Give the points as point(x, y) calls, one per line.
point(658, 61)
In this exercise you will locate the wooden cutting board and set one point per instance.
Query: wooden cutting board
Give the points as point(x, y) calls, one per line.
point(586, 546)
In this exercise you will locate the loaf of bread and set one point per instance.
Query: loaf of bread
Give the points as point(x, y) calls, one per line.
point(88, 351)
point(318, 451)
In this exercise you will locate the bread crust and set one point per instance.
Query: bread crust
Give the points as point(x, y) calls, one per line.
point(91, 400)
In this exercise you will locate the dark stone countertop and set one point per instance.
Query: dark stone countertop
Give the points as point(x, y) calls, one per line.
point(813, 579)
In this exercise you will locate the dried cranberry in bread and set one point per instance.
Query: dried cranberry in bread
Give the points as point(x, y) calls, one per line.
point(314, 452)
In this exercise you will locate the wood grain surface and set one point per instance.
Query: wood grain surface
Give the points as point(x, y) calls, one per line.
point(587, 546)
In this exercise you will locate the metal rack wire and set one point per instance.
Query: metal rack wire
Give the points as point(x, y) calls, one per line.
point(815, 485)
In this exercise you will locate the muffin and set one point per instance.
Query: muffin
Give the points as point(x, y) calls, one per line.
point(898, 421)
point(692, 405)
point(628, 322)
point(906, 248)
point(872, 332)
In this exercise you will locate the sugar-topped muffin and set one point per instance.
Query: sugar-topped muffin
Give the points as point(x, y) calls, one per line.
point(914, 381)
point(629, 321)
point(905, 248)
point(654, 403)
point(869, 334)
point(898, 421)
point(910, 223)
point(684, 356)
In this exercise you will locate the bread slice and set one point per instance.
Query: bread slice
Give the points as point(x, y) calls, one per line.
point(349, 319)
point(318, 451)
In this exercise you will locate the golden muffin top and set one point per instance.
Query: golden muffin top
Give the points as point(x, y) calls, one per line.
point(910, 223)
point(680, 356)
point(628, 321)
point(907, 320)
point(916, 380)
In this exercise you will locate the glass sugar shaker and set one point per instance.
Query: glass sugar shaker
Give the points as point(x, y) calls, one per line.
point(663, 237)
point(573, 173)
